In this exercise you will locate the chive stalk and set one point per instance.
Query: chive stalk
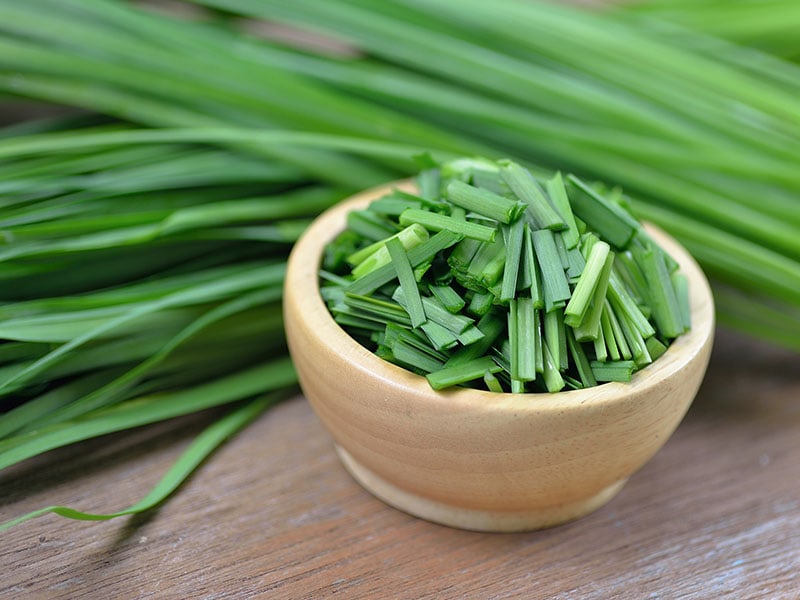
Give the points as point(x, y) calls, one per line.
point(409, 237)
point(408, 284)
point(468, 371)
point(558, 196)
point(554, 282)
point(514, 249)
point(530, 192)
point(484, 202)
point(588, 282)
point(606, 218)
point(437, 222)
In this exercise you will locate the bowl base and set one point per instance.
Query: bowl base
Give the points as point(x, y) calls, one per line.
point(471, 519)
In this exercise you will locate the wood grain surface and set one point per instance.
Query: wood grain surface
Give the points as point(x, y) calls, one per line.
point(716, 514)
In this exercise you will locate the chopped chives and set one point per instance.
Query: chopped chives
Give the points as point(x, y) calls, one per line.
point(412, 337)
point(554, 282)
point(608, 335)
point(333, 278)
point(581, 361)
point(367, 305)
point(623, 302)
point(450, 376)
point(619, 337)
point(487, 265)
point(347, 320)
point(627, 270)
point(463, 254)
point(513, 256)
point(635, 342)
point(654, 347)
point(552, 377)
point(491, 326)
point(527, 262)
point(589, 329)
point(448, 297)
point(609, 220)
point(490, 180)
point(458, 213)
point(525, 340)
point(413, 357)
point(405, 275)
point(555, 337)
point(681, 286)
point(437, 222)
point(513, 338)
point(469, 336)
point(428, 182)
point(530, 272)
point(492, 382)
point(555, 309)
point(613, 371)
point(528, 191)
point(410, 237)
point(480, 304)
point(369, 225)
point(422, 253)
point(666, 311)
point(575, 263)
point(600, 351)
point(435, 312)
point(558, 196)
point(645, 240)
point(562, 250)
point(393, 207)
point(484, 202)
point(538, 341)
point(583, 293)
point(439, 336)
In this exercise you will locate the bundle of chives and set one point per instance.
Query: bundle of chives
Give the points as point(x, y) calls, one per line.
point(704, 133)
point(768, 24)
point(136, 290)
point(538, 256)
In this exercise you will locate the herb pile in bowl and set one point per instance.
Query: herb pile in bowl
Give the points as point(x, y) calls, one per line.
point(491, 277)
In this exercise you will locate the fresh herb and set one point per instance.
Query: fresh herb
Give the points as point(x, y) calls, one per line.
point(539, 328)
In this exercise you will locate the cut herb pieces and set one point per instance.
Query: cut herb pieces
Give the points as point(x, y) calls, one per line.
point(422, 253)
point(557, 307)
point(558, 196)
point(513, 243)
point(410, 237)
point(369, 225)
point(666, 311)
point(526, 188)
point(610, 221)
point(613, 371)
point(555, 287)
point(484, 202)
point(587, 284)
point(468, 371)
point(437, 222)
point(448, 297)
point(413, 302)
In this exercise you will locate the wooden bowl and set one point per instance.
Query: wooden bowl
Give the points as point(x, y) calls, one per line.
point(474, 459)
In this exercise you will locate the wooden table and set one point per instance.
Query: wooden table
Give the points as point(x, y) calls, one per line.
point(716, 514)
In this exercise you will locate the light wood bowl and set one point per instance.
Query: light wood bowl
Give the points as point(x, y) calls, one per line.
point(474, 459)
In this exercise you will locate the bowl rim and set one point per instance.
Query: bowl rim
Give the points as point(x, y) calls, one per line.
point(303, 273)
